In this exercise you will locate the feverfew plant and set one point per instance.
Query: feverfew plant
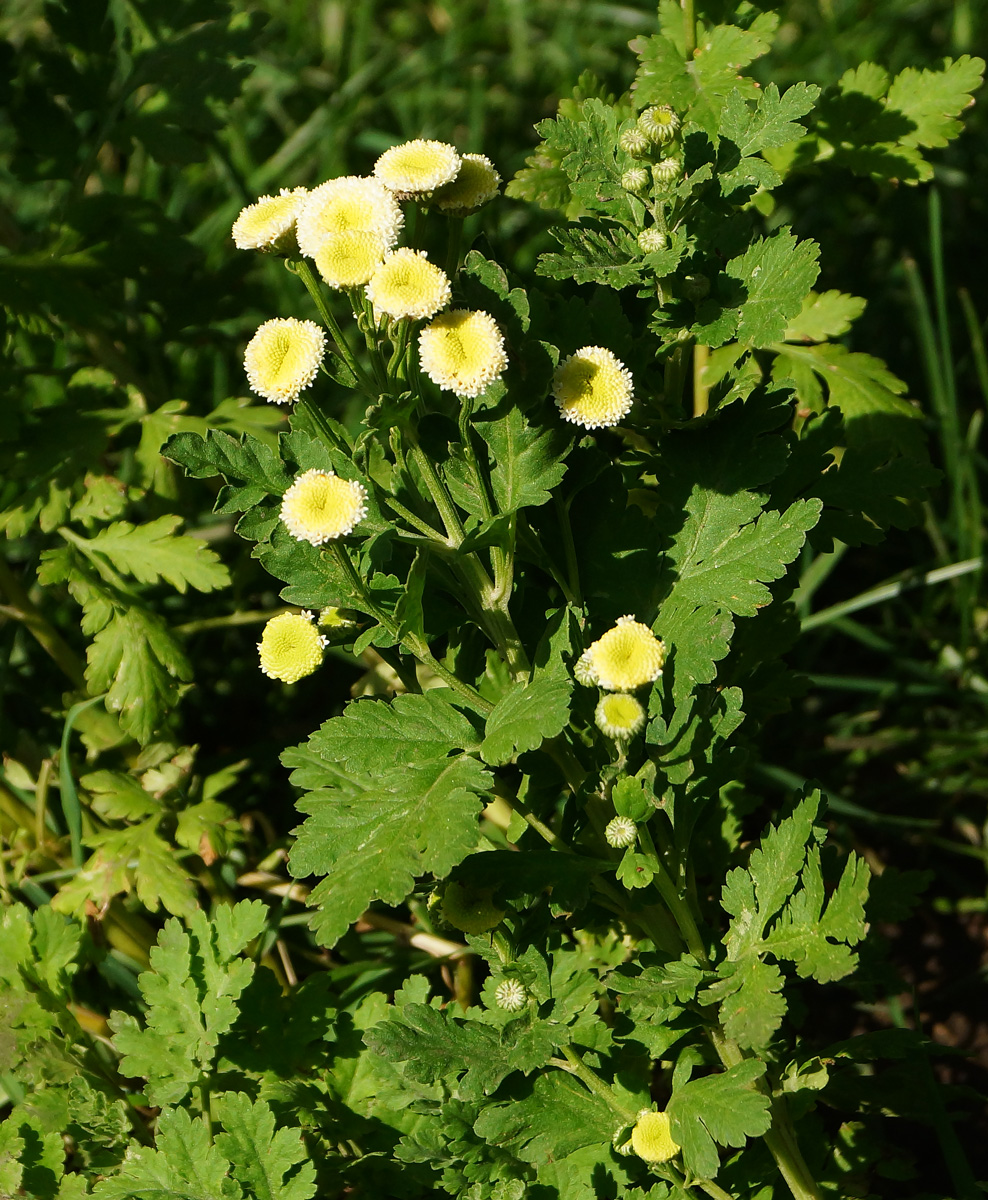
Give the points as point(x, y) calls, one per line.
point(566, 521)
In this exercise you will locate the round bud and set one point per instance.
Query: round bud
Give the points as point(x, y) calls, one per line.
point(659, 124)
point(634, 142)
point(621, 833)
point(510, 995)
point(470, 909)
point(635, 180)
point(696, 287)
point(652, 239)
point(667, 171)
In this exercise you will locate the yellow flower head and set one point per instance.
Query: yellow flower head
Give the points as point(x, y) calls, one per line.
point(476, 184)
point(350, 259)
point(651, 1138)
point(462, 351)
point(625, 658)
point(593, 388)
point(406, 284)
point(320, 506)
point(417, 167)
point(269, 223)
point(619, 715)
point(290, 647)
point(350, 204)
point(283, 357)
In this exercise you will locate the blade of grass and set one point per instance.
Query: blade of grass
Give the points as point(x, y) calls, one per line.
point(70, 797)
point(790, 781)
point(890, 590)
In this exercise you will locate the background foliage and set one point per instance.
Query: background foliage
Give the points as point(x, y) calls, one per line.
point(133, 133)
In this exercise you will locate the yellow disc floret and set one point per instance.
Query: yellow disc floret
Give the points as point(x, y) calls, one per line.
point(619, 715)
point(406, 284)
point(320, 506)
point(593, 388)
point(626, 657)
point(283, 357)
point(476, 184)
point(350, 259)
point(417, 167)
point(350, 204)
point(290, 647)
point(269, 223)
point(462, 351)
point(651, 1138)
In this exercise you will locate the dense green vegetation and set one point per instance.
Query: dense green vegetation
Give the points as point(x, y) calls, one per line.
point(142, 773)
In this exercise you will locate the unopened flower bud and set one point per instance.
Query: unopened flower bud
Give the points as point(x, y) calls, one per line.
point(696, 287)
point(652, 239)
point(667, 171)
point(659, 124)
point(634, 142)
point(621, 833)
point(510, 995)
point(635, 180)
point(470, 909)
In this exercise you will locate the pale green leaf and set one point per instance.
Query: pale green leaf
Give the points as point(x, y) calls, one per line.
point(373, 835)
point(374, 735)
point(524, 717)
point(260, 1157)
point(932, 99)
point(824, 315)
point(140, 665)
point(152, 552)
point(725, 1108)
point(776, 273)
point(528, 461)
point(473, 1057)
point(184, 1166)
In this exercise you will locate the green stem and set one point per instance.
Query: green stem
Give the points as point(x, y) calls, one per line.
point(302, 269)
point(689, 27)
point(230, 621)
point(437, 490)
point(576, 1066)
point(416, 522)
point(676, 904)
point(415, 644)
point(22, 609)
point(453, 246)
point(701, 393)
point(569, 549)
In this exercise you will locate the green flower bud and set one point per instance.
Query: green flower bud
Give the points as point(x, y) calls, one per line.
point(510, 995)
point(471, 909)
point(667, 171)
point(659, 124)
point(696, 287)
point(635, 180)
point(634, 142)
point(621, 832)
point(652, 239)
